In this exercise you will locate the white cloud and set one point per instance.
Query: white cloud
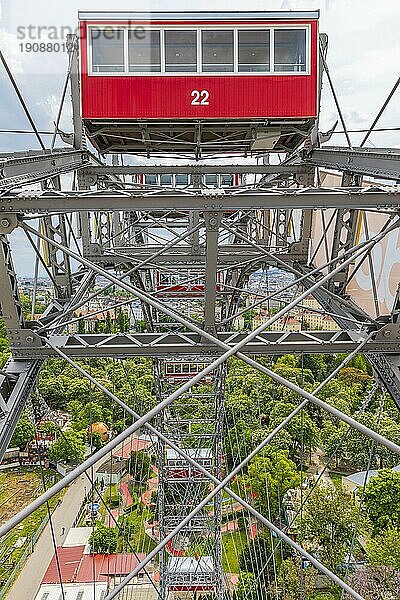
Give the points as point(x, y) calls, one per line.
point(364, 54)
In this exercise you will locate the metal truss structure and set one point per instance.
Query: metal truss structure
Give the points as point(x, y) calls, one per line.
point(188, 255)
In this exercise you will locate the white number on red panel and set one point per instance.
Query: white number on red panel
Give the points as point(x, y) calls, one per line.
point(200, 98)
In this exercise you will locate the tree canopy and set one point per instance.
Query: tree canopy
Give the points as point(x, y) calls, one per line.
point(382, 499)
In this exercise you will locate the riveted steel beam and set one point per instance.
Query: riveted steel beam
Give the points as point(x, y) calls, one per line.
point(376, 162)
point(191, 344)
point(204, 200)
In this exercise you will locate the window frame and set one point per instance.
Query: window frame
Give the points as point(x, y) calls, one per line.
point(198, 28)
point(126, 48)
point(271, 50)
point(307, 53)
point(163, 59)
point(93, 73)
point(200, 49)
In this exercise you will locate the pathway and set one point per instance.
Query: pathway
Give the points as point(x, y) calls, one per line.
point(28, 581)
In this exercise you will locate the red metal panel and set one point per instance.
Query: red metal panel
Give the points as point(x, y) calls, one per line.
point(230, 96)
point(69, 560)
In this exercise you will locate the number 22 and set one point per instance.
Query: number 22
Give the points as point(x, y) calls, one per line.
point(200, 98)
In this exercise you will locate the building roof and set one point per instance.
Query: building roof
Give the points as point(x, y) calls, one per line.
point(77, 567)
point(104, 566)
point(134, 445)
point(69, 560)
point(359, 478)
point(72, 591)
point(115, 466)
point(77, 536)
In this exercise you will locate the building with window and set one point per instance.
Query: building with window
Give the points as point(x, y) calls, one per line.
point(91, 576)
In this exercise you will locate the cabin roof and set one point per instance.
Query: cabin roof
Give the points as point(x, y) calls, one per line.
point(189, 564)
point(207, 16)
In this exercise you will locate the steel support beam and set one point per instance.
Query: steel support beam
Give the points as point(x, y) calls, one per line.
point(31, 168)
point(194, 169)
point(16, 385)
point(204, 200)
point(376, 162)
point(125, 345)
point(210, 297)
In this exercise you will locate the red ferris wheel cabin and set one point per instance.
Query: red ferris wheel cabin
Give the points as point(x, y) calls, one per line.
point(199, 82)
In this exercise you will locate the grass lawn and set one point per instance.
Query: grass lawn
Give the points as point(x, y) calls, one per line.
point(139, 540)
point(232, 546)
point(336, 478)
point(27, 484)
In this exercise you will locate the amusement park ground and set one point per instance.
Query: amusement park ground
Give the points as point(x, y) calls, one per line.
point(28, 581)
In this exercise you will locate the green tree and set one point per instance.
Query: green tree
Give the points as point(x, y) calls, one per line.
point(384, 549)
point(270, 475)
point(296, 581)
point(140, 466)
point(328, 524)
point(104, 540)
point(382, 499)
point(247, 587)
point(69, 447)
point(238, 442)
point(23, 433)
point(256, 559)
point(81, 325)
point(240, 406)
point(301, 428)
point(108, 323)
point(122, 321)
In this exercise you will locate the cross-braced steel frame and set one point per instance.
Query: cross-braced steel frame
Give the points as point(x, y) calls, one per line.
point(204, 244)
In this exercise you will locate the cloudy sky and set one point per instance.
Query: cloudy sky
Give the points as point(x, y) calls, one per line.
point(364, 59)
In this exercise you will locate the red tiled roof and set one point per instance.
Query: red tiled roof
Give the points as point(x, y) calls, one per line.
point(98, 567)
point(77, 567)
point(134, 445)
point(69, 559)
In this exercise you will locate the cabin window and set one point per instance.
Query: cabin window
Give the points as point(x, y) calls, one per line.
point(181, 51)
point(217, 51)
point(253, 50)
point(226, 180)
point(211, 180)
point(144, 51)
point(290, 50)
point(108, 51)
point(166, 179)
point(182, 180)
point(267, 50)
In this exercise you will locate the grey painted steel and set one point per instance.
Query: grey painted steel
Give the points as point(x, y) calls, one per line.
point(210, 296)
point(161, 345)
point(15, 389)
point(376, 162)
point(193, 169)
point(42, 165)
point(236, 349)
point(209, 200)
